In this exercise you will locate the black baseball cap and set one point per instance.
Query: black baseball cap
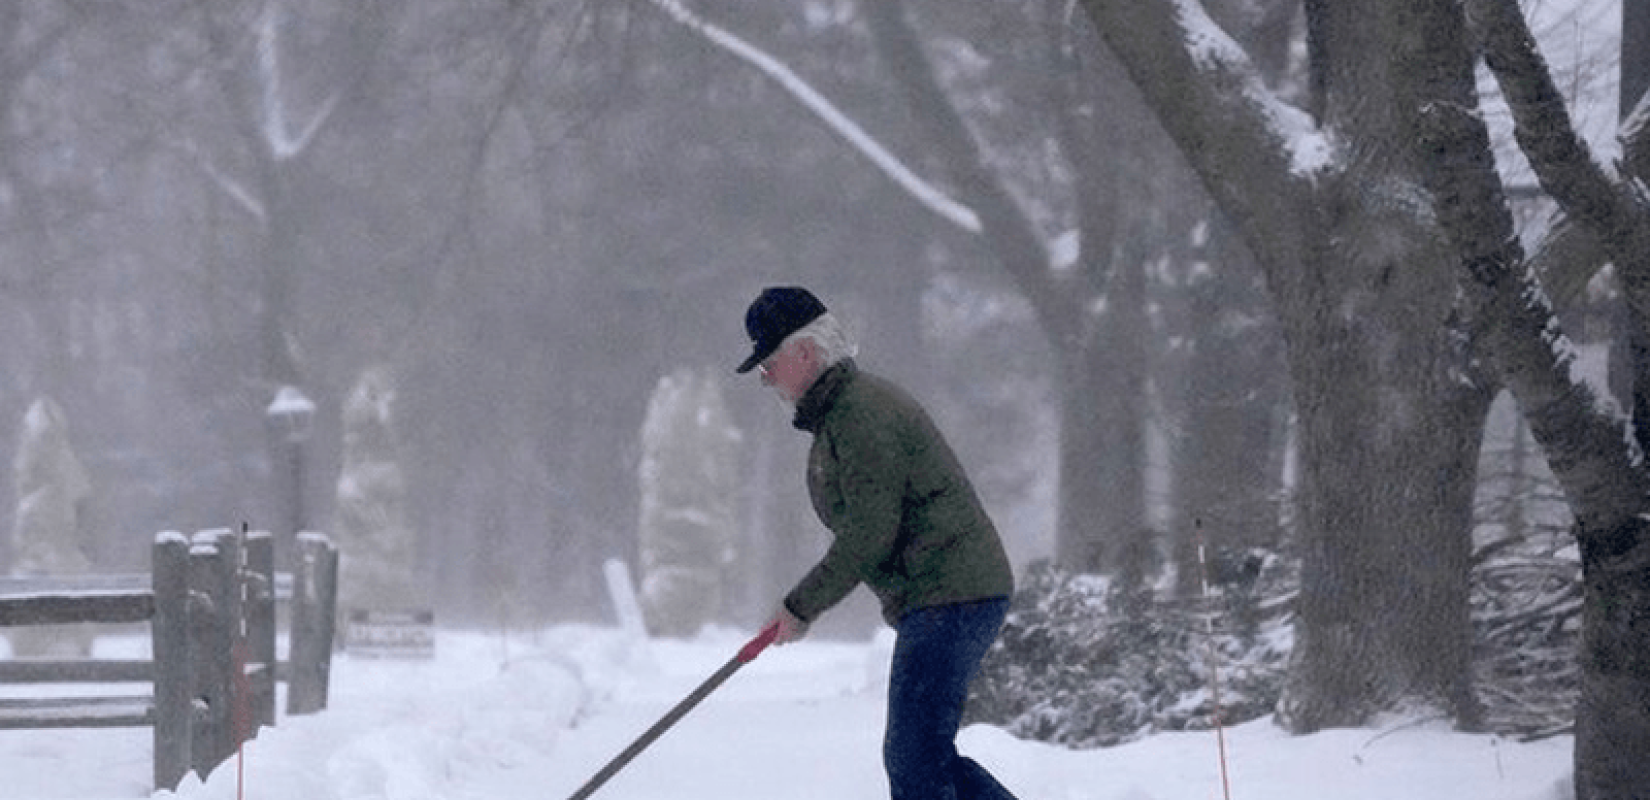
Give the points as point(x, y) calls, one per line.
point(776, 313)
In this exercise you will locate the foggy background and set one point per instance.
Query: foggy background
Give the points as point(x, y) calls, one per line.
point(527, 214)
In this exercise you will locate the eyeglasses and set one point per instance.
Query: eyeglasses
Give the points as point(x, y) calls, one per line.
point(768, 364)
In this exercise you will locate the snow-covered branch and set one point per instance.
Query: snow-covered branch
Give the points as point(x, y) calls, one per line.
point(929, 195)
point(1542, 123)
point(1612, 207)
point(237, 191)
point(282, 144)
point(1258, 159)
point(1214, 51)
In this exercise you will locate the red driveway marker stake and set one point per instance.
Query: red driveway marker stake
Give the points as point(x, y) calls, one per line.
point(1214, 667)
point(746, 654)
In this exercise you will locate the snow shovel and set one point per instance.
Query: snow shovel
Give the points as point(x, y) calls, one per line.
point(746, 654)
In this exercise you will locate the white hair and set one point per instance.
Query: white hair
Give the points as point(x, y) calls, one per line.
point(834, 339)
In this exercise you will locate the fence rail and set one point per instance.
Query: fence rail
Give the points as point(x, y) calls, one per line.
point(210, 604)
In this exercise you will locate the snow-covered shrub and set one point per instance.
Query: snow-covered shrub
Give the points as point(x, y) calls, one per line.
point(688, 479)
point(375, 543)
point(52, 488)
point(1083, 665)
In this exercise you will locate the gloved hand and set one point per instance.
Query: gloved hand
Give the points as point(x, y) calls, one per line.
point(791, 627)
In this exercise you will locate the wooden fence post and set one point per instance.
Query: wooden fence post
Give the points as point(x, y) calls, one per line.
point(329, 613)
point(213, 560)
point(210, 604)
point(170, 645)
point(314, 606)
point(260, 627)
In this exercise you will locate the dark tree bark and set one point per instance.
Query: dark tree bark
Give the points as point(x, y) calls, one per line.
point(1591, 452)
point(1388, 432)
point(1635, 53)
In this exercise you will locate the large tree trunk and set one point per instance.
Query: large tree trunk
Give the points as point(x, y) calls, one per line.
point(1613, 724)
point(1589, 451)
point(1385, 505)
point(1119, 358)
point(1102, 515)
point(1078, 547)
point(1612, 720)
point(1388, 453)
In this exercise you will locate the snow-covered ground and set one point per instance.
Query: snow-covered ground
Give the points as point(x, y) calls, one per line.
point(535, 715)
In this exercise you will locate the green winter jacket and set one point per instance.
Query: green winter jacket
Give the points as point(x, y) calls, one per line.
point(905, 518)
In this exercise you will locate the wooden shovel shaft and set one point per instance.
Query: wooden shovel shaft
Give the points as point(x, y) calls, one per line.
point(746, 654)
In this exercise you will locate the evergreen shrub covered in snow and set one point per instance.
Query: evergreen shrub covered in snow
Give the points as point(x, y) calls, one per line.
point(376, 545)
point(688, 480)
point(1083, 665)
point(52, 486)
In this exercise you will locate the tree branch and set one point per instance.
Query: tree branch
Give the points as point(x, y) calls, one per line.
point(1588, 447)
point(1541, 122)
point(1566, 258)
point(1257, 156)
point(246, 199)
point(1006, 230)
point(282, 145)
point(1561, 159)
point(890, 165)
point(1635, 141)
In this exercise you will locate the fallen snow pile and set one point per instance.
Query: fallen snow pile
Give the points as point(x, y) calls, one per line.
point(422, 725)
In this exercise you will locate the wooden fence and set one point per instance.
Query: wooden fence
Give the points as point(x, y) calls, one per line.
point(210, 604)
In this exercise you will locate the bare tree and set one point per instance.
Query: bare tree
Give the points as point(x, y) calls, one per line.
point(1589, 446)
point(35, 265)
point(1396, 91)
point(1100, 357)
point(276, 115)
point(1389, 432)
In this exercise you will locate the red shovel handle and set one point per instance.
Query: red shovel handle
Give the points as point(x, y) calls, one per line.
point(754, 647)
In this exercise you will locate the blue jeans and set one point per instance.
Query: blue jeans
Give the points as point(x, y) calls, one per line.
point(936, 653)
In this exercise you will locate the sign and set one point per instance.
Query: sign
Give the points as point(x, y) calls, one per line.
point(391, 634)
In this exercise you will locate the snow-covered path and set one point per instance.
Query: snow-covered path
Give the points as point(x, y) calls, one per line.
point(532, 717)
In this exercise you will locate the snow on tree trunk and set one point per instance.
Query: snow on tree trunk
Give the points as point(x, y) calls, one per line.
point(375, 544)
point(45, 537)
point(689, 482)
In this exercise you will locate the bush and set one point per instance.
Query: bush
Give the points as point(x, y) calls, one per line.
point(1083, 665)
point(1526, 614)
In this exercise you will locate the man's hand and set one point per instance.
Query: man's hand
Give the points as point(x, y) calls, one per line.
point(791, 627)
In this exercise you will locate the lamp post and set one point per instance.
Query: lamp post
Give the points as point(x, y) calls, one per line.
point(289, 416)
